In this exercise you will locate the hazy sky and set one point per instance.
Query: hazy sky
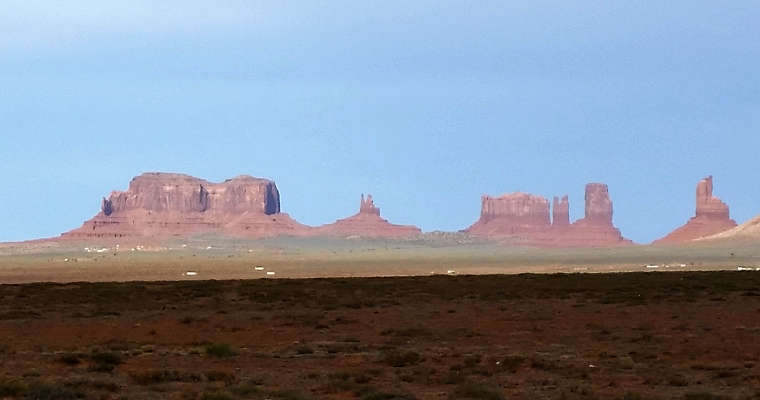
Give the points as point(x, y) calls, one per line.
point(426, 104)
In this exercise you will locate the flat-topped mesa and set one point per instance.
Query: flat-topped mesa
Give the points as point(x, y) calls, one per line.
point(368, 223)
point(511, 214)
point(560, 212)
point(711, 217)
point(161, 204)
point(179, 193)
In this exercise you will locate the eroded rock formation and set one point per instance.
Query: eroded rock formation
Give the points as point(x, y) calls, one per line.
point(367, 206)
point(598, 205)
point(595, 228)
point(511, 214)
point(560, 212)
point(525, 218)
point(163, 204)
point(711, 217)
point(707, 205)
point(367, 223)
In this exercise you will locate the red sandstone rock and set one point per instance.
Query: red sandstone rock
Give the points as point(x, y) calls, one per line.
point(161, 204)
point(594, 230)
point(598, 205)
point(511, 214)
point(707, 205)
point(367, 222)
point(367, 206)
point(524, 218)
point(560, 212)
point(711, 217)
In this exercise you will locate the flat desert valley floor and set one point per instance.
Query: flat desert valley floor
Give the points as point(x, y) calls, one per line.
point(203, 258)
point(204, 320)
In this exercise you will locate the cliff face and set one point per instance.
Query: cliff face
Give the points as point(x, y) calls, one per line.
point(368, 223)
point(525, 218)
point(709, 206)
point(511, 214)
point(596, 228)
point(598, 205)
point(160, 204)
point(177, 193)
point(711, 217)
point(560, 212)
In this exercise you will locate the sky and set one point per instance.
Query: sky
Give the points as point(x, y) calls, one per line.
point(426, 104)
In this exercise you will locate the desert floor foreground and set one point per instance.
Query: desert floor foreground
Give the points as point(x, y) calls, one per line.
point(659, 335)
point(226, 258)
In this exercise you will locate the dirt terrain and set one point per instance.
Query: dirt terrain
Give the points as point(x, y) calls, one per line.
point(212, 257)
point(664, 335)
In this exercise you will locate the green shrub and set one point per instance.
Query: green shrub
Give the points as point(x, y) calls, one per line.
point(304, 349)
point(220, 350)
point(105, 361)
point(163, 376)
point(217, 396)
point(43, 391)
point(70, 359)
point(11, 388)
point(219, 376)
point(398, 359)
point(703, 396)
point(107, 358)
point(476, 391)
point(372, 395)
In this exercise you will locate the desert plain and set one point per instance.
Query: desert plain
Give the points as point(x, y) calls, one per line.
point(440, 316)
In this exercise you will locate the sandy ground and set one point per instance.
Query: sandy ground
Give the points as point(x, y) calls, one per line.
point(214, 258)
point(211, 318)
point(677, 335)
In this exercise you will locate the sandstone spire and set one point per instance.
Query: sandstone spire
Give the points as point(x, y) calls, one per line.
point(598, 204)
point(711, 217)
point(560, 212)
point(367, 205)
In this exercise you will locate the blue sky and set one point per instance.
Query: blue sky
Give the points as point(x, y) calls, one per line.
point(425, 104)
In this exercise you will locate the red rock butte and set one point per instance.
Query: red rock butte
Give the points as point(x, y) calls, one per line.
point(524, 218)
point(164, 204)
point(368, 223)
point(511, 214)
point(711, 217)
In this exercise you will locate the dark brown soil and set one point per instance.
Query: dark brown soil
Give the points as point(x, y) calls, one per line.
point(690, 335)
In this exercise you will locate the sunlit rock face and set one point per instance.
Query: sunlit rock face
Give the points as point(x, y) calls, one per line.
point(560, 212)
point(161, 204)
point(595, 228)
point(524, 218)
point(511, 214)
point(598, 205)
point(711, 217)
